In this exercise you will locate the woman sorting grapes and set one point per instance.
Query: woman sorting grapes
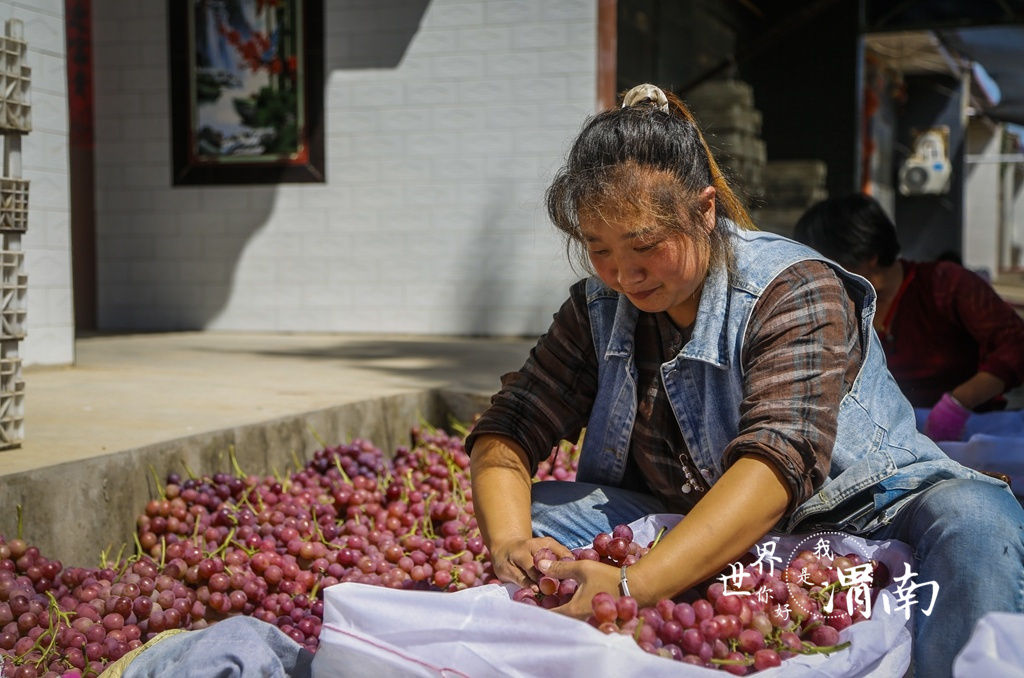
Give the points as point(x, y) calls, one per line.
point(727, 374)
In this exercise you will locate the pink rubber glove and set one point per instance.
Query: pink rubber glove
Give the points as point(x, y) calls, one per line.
point(947, 420)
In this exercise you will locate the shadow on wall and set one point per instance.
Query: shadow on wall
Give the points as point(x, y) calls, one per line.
point(354, 38)
point(368, 36)
point(486, 257)
point(502, 304)
point(195, 303)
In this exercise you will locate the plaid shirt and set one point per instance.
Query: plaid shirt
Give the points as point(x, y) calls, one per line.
point(949, 325)
point(801, 354)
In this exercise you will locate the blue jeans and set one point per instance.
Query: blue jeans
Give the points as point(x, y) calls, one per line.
point(967, 536)
point(237, 647)
point(574, 513)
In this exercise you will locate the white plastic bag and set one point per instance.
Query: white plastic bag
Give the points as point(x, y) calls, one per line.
point(991, 453)
point(373, 631)
point(993, 441)
point(995, 649)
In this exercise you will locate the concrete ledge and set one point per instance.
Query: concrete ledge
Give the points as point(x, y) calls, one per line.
point(75, 510)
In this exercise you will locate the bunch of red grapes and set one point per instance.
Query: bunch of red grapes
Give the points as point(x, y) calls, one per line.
point(212, 547)
point(749, 618)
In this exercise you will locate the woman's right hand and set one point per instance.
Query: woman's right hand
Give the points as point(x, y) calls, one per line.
point(501, 498)
point(513, 560)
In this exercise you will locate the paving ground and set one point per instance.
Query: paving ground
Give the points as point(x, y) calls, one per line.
point(129, 391)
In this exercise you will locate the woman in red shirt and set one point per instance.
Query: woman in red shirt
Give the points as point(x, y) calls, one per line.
point(951, 342)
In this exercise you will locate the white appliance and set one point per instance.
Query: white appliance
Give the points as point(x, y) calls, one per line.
point(927, 171)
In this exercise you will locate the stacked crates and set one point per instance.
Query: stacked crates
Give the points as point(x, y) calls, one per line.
point(732, 127)
point(791, 187)
point(15, 121)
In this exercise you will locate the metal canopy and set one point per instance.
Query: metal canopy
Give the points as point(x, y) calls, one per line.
point(987, 32)
point(908, 15)
point(1000, 51)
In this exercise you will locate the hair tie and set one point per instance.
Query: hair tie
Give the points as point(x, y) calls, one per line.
point(644, 93)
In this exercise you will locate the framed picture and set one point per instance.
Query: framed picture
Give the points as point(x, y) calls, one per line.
point(246, 91)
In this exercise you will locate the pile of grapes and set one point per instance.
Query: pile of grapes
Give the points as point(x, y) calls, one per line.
point(750, 618)
point(229, 544)
point(212, 547)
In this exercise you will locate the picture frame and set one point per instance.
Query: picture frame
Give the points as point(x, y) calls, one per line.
point(247, 91)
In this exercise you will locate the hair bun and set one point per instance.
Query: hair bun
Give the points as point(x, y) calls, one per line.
point(646, 93)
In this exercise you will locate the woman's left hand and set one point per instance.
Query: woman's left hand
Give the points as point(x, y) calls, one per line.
point(591, 577)
point(947, 420)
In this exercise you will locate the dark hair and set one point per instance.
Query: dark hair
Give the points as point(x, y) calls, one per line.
point(649, 159)
point(850, 230)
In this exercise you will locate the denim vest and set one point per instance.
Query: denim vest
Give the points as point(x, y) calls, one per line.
point(879, 459)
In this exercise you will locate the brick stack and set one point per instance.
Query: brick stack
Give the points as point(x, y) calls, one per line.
point(732, 127)
point(15, 121)
point(790, 187)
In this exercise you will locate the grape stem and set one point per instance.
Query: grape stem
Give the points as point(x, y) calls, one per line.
point(636, 631)
point(428, 525)
point(234, 462)
point(410, 485)
point(57, 617)
point(159, 487)
point(733, 662)
point(247, 503)
point(259, 500)
point(316, 526)
point(248, 551)
point(195, 531)
point(385, 479)
point(461, 429)
point(810, 648)
point(344, 476)
point(430, 428)
point(220, 549)
point(453, 473)
point(316, 436)
point(138, 544)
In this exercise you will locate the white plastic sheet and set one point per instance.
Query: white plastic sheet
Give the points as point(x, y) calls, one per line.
point(377, 632)
point(993, 441)
point(995, 649)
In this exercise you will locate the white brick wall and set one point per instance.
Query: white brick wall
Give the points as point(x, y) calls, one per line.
point(982, 200)
point(47, 242)
point(444, 122)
